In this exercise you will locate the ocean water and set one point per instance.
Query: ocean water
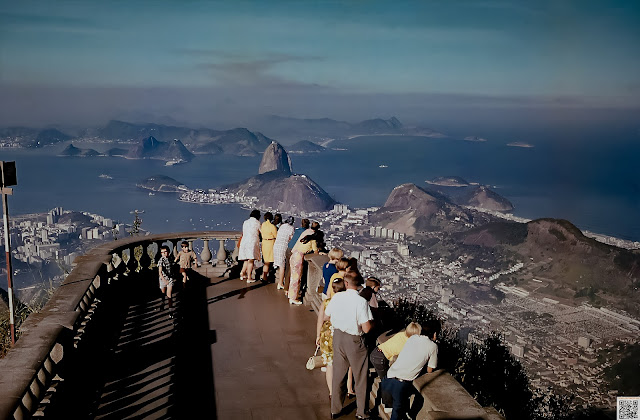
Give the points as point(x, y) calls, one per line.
point(594, 184)
point(46, 181)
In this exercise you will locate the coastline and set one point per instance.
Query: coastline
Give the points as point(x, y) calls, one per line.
point(326, 143)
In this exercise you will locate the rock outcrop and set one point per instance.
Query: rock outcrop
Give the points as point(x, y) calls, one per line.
point(276, 188)
point(275, 158)
point(410, 209)
point(463, 193)
point(482, 197)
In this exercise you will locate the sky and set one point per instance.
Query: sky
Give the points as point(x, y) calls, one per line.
point(85, 62)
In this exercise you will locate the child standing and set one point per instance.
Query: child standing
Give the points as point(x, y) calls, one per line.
point(341, 265)
point(329, 269)
point(166, 277)
point(186, 258)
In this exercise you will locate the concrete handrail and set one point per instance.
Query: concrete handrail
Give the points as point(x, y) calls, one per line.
point(31, 365)
point(445, 398)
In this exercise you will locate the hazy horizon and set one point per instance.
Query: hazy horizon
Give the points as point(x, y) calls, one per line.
point(223, 64)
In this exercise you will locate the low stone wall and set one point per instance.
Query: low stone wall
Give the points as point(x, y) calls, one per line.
point(445, 398)
point(315, 283)
point(33, 368)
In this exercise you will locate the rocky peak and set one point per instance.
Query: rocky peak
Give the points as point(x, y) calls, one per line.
point(410, 196)
point(485, 198)
point(275, 158)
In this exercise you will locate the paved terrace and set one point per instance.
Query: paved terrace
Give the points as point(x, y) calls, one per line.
point(104, 348)
point(233, 351)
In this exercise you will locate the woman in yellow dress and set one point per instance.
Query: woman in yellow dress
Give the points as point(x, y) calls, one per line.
point(324, 333)
point(268, 231)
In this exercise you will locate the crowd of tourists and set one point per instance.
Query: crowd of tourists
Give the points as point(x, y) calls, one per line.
point(348, 333)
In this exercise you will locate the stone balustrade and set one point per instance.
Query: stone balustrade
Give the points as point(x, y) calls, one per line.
point(58, 338)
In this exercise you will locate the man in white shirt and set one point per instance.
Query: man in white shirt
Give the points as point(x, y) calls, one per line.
point(350, 317)
point(418, 351)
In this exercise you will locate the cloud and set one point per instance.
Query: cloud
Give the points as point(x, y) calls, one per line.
point(233, 68)
point(231, 106)
point(34, 22)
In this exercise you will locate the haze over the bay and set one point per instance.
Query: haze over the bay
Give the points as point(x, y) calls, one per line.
point(226, 64)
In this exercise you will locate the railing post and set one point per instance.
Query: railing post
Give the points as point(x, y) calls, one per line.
point(175, 247)
point(222, 254)
point(145, 258)
point(132, 264)
point(205, 255)
point(158, 255)
point(235, 252)
point(119, 265)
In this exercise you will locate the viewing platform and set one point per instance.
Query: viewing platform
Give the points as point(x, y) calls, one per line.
point(105, 348)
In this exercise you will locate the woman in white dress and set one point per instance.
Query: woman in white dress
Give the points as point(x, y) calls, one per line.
point(250, 245)
point(285, 233)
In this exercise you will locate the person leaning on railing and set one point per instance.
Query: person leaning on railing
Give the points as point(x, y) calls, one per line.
point(304, 245)
point(385, 352)
point(418, 351)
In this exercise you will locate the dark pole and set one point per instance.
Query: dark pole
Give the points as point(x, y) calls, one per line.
point(7, 247)
point(7, 179)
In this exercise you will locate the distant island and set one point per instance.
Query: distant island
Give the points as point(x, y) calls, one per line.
point(449, 181)
point(71, 150)
point(474, 138)
point(520, 144)
point(149, 148)
point(162, 183)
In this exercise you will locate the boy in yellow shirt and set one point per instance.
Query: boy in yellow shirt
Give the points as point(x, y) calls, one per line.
point(391, 348)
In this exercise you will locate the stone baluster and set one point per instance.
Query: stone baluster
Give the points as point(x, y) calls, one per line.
point(132, 264)
point(158, 255)
point(145, 258)
point(205, 255)
point(176, 247)
point(118, 263)
point(236, 251)
point(222, 254)
point(110, 270)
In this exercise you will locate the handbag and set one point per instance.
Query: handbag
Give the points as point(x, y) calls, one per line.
point(315, 360)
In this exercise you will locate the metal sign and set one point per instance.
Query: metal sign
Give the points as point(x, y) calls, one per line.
point(8, 171)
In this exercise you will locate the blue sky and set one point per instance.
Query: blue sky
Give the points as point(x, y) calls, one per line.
point(568, 53)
